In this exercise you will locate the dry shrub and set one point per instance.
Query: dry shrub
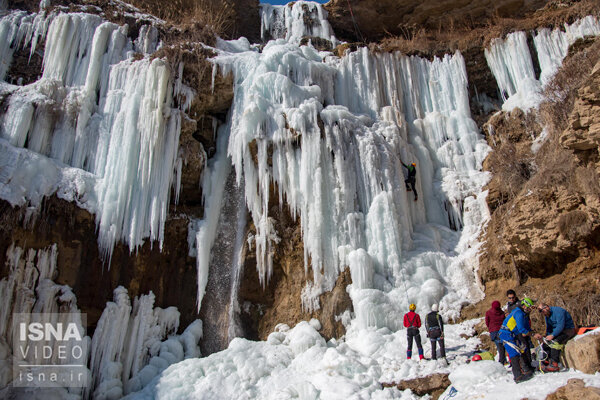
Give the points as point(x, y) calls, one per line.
point(218, 16)
point(574, 225)
point(509, 168)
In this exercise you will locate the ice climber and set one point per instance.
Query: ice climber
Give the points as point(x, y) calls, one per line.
point(412, 323)
point(435, 332)
point(515, 328)
point(559, 329)
point(493, 320)
point(411, 180)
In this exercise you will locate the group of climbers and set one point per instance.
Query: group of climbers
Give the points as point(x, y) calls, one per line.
point(511, 332)
point(434, 326)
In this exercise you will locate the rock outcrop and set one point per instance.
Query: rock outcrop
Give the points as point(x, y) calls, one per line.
point(583, 133)
point(376, 19)
point(583, 353)
point(433, 385)
point(575, 389)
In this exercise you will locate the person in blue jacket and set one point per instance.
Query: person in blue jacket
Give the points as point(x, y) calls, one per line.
point(559, 329)
point(514, 328)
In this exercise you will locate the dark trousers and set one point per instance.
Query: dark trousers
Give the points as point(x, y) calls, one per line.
point(435, 336)
point(515, 363)
point(413, 334)
point(562, 338)
point(499, 346)
point(411, 181)
point(526, 356)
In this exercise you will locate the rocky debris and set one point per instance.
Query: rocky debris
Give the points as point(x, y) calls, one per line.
point(317, 42)
point(433, 385)
point(583, 354)
point(575, 389)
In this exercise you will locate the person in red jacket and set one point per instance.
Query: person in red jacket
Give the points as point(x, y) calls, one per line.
point(412, 323)
point(493, 320)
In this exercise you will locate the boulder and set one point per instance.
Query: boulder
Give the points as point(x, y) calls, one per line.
point(433, 385)
point(575, 389)
point(583, 353)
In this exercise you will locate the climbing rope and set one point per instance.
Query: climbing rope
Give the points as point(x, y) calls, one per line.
point(356, 29)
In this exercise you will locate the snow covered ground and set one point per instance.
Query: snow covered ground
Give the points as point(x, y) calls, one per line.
point(298, 364)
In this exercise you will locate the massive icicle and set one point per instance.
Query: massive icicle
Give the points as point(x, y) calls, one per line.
point(116, 122)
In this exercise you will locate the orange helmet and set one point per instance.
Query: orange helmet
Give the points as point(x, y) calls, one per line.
point(414, 164)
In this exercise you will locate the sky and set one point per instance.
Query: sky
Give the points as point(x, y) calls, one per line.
point(280, 2)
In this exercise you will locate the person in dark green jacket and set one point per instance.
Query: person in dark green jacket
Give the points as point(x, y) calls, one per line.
point(411, 179)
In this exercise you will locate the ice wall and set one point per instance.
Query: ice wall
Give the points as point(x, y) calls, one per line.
point(293, 21)
point(511, 63)
point(95, 114)
point(331, 136)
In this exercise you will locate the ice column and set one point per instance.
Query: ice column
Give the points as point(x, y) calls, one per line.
point(552, 46)
point(126, 350)
point(510, 62)
point(137, 151)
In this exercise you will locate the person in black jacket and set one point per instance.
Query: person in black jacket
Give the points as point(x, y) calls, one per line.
point(435, 332)
point(412, 177)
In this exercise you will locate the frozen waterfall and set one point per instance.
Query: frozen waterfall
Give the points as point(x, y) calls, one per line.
point(295, 20)
point(511, 61)
point(102, 124)
point(331, 134)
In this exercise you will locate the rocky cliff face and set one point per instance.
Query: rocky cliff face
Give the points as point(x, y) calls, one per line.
point(545, 225)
